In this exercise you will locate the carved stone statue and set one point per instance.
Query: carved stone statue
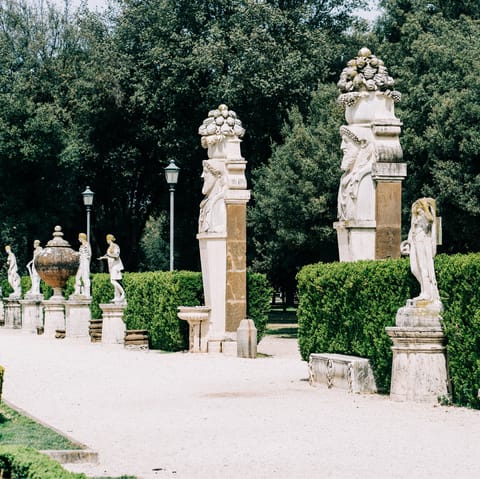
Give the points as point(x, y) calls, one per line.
point(32, 271)
point(82, 278)
point(13, 276)
point(213, 216)
point(421, 245)
point(115, 268)
point(356, 184)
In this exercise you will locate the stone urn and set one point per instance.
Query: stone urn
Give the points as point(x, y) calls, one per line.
point(56, 263)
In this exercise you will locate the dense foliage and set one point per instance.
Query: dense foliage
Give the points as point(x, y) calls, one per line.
point(153, 299)
point(19, 462)
point(345, 307)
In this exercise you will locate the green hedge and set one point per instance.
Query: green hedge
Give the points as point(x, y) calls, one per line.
point(153, 299)
point(20, 462)
point(345, 307)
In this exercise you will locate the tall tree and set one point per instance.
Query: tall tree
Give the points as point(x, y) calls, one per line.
point(435, 59)
point(295, 193)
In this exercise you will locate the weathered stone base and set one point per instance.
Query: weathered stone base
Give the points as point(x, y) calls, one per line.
point(54, 317)
point(419, 371)
point(95, 330)
point(418, 313)
point(13, 313)
point(350, 373)
point(77, 317)
point(136, 339)
point(32, 315)
point(113, 326)
point(356, 240)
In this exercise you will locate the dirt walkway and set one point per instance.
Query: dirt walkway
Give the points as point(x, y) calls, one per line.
point(190, 416)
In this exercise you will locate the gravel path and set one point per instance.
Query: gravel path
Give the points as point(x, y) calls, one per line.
point(187, 416)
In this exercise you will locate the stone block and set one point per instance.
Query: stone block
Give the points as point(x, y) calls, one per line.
point(350, 373)
point(247, 339)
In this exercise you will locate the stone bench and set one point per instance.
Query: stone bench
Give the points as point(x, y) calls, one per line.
point(350, 373)
point(95, 330)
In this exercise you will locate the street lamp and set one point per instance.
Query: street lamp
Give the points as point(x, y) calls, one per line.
point(171, 175)
point(88, 195)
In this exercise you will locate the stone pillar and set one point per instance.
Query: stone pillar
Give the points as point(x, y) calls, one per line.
point(222, 229)
point(13, 313)
point(388, 215)
point(77, 317)
point(32, 314)
point(113, 326)
point(54, 310)
point(369, 198)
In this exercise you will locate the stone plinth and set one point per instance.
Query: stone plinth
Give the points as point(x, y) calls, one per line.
point(54, 312)
point(77, 317)
point(113, 326)
point(13, 313)
point(419, 371)
point(32, 314)
point(350, 373)
point(247, 339)
point(356, 240)
point(198, 319)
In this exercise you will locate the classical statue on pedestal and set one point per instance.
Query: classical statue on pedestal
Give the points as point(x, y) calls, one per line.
point(32, 271)
point(421, 245)
point(82, 278)
point(13, 276)
point(115, 268)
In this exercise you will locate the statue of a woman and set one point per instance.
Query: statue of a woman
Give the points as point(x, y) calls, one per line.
point(421, 245)
point(82, 278)
point(115, 268)
point(13, 276)
point(213, 216)
point(32, 271)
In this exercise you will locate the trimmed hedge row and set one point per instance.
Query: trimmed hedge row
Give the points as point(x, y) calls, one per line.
point(153, 299)
point(345, 307)
point(20, 462)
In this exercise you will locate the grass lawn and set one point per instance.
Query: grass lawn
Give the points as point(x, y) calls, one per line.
point(17, 429)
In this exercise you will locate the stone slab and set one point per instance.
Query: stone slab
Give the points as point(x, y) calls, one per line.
point(350, 373)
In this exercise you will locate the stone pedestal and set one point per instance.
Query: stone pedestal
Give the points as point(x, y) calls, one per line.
point(13, 313)
point(54, 316)
point(247, 339)
point(198, 319)
point(32, 314)
point(113, 326)
point(419, 368)
point(419, 371)
point(77, 317)
point(350, 373)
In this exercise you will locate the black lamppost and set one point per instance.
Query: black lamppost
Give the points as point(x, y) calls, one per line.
point(88, 195)
point(171, 175)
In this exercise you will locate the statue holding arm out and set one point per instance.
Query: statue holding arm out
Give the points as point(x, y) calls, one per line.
point(115, 268)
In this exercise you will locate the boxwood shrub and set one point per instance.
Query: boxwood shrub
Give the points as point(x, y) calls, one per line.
point(345, 307)
point(20, 462)
point(153, 298)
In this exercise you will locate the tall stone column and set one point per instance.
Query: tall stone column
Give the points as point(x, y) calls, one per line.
point(222, 231)
point(370, 191)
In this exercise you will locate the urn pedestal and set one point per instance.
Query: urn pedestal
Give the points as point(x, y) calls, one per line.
point(54, 316)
